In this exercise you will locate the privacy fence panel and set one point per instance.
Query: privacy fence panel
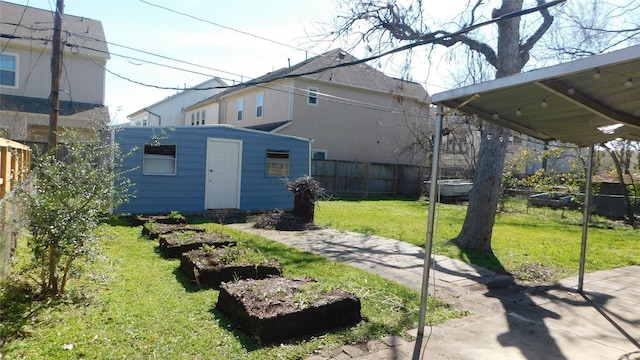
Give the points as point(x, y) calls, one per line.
point(365, 180)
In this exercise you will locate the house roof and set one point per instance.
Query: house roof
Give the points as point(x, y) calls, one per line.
point(583, 102)
point(270, 126)
point(360, 75)
point(205, 85)
point(26, 26)
point(42, 106)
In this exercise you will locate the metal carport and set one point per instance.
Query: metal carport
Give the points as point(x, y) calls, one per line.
point(584, 102)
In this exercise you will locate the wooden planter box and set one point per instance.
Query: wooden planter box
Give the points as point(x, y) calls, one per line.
point(209, 269)
point(271, 309)
point(174, 244)
point(154, 230)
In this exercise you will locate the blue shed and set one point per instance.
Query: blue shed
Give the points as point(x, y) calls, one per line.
point(194, 169)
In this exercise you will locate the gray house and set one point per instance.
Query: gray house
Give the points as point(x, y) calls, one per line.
point(25, 69)
point(194, 169)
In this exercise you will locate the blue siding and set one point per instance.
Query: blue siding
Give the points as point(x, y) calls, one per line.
point(185, 191)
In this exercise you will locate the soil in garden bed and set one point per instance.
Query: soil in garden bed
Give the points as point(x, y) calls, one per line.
point(280, 309)
point(154, 230)
point(138, 220)
point(211, 267)
point(176, 243)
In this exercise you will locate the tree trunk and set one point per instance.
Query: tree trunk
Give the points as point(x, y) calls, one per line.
point(631, 217)
point(483, 200)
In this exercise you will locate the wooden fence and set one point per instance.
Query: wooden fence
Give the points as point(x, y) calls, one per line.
point(372, 180)
point(351, 179)
point(15, 161)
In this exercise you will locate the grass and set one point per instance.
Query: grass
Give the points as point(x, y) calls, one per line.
point(135, 304)
point(523, 239)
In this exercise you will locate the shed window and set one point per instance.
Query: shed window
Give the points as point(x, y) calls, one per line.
point(277, 163)
point(193, 119)
point(203, 115)
point(8, 70)
point(159, 159)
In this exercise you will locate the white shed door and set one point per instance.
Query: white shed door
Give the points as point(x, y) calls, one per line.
point(224, 164)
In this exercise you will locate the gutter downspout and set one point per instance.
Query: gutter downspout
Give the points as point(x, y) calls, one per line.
point(154, 114)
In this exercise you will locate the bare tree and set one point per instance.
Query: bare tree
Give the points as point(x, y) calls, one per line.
point(386, 23)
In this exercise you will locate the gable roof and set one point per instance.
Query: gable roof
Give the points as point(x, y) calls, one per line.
point(205, 85)
point(29, 26)
point(359, 75)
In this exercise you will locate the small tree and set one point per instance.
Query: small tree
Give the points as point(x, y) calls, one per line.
point(69, 199)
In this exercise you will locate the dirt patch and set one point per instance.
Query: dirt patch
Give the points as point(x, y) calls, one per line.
point(281, 220)
point(537, 273)
point(174, 244)
point(138, 220)
point(280, 309)
point(154, 230)
point(209, 267)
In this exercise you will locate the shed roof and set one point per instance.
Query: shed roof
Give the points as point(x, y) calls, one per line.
point(583, 102)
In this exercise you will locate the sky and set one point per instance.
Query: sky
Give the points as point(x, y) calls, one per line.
point(239, 40)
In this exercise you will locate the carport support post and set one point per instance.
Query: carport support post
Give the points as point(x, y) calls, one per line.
point(585, 219)
point(435, 167)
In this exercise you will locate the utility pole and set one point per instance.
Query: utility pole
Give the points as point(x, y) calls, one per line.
point(56, 71)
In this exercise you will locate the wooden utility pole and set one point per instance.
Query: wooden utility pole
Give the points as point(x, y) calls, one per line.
point(56, 71)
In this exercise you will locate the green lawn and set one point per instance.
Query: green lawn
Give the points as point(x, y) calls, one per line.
point(135, 304)
point(542, 241)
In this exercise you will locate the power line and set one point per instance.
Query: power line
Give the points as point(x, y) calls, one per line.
point(219, 25)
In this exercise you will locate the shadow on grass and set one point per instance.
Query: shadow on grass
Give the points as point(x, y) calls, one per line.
point(484, 258)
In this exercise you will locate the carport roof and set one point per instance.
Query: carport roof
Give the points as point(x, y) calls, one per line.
point(583, 102)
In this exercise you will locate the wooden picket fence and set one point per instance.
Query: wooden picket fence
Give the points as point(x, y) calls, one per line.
point(15, 162)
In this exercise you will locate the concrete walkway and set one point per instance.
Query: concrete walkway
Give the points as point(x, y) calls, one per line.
point(508, 320)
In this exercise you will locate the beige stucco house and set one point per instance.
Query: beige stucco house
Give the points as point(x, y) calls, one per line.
point(352, 113)
point(25, 72)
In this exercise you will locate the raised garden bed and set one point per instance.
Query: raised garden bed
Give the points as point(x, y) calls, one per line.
point(138, 220)
point(174, 244)
point(280, 309)
point(209, 267)
point(154, 230)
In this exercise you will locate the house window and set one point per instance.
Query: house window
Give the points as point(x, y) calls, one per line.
point(312, 96)
point(319, 155)
point(277, 163)
point(159, 159)
point(8, 70)
point(203, 114)
point(259, 105)
point(240, 108)
point(198, 118)
point(193, 119)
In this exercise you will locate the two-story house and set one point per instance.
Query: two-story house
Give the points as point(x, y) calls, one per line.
point(169, 111)
point(351, 112)
point(26, 35)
